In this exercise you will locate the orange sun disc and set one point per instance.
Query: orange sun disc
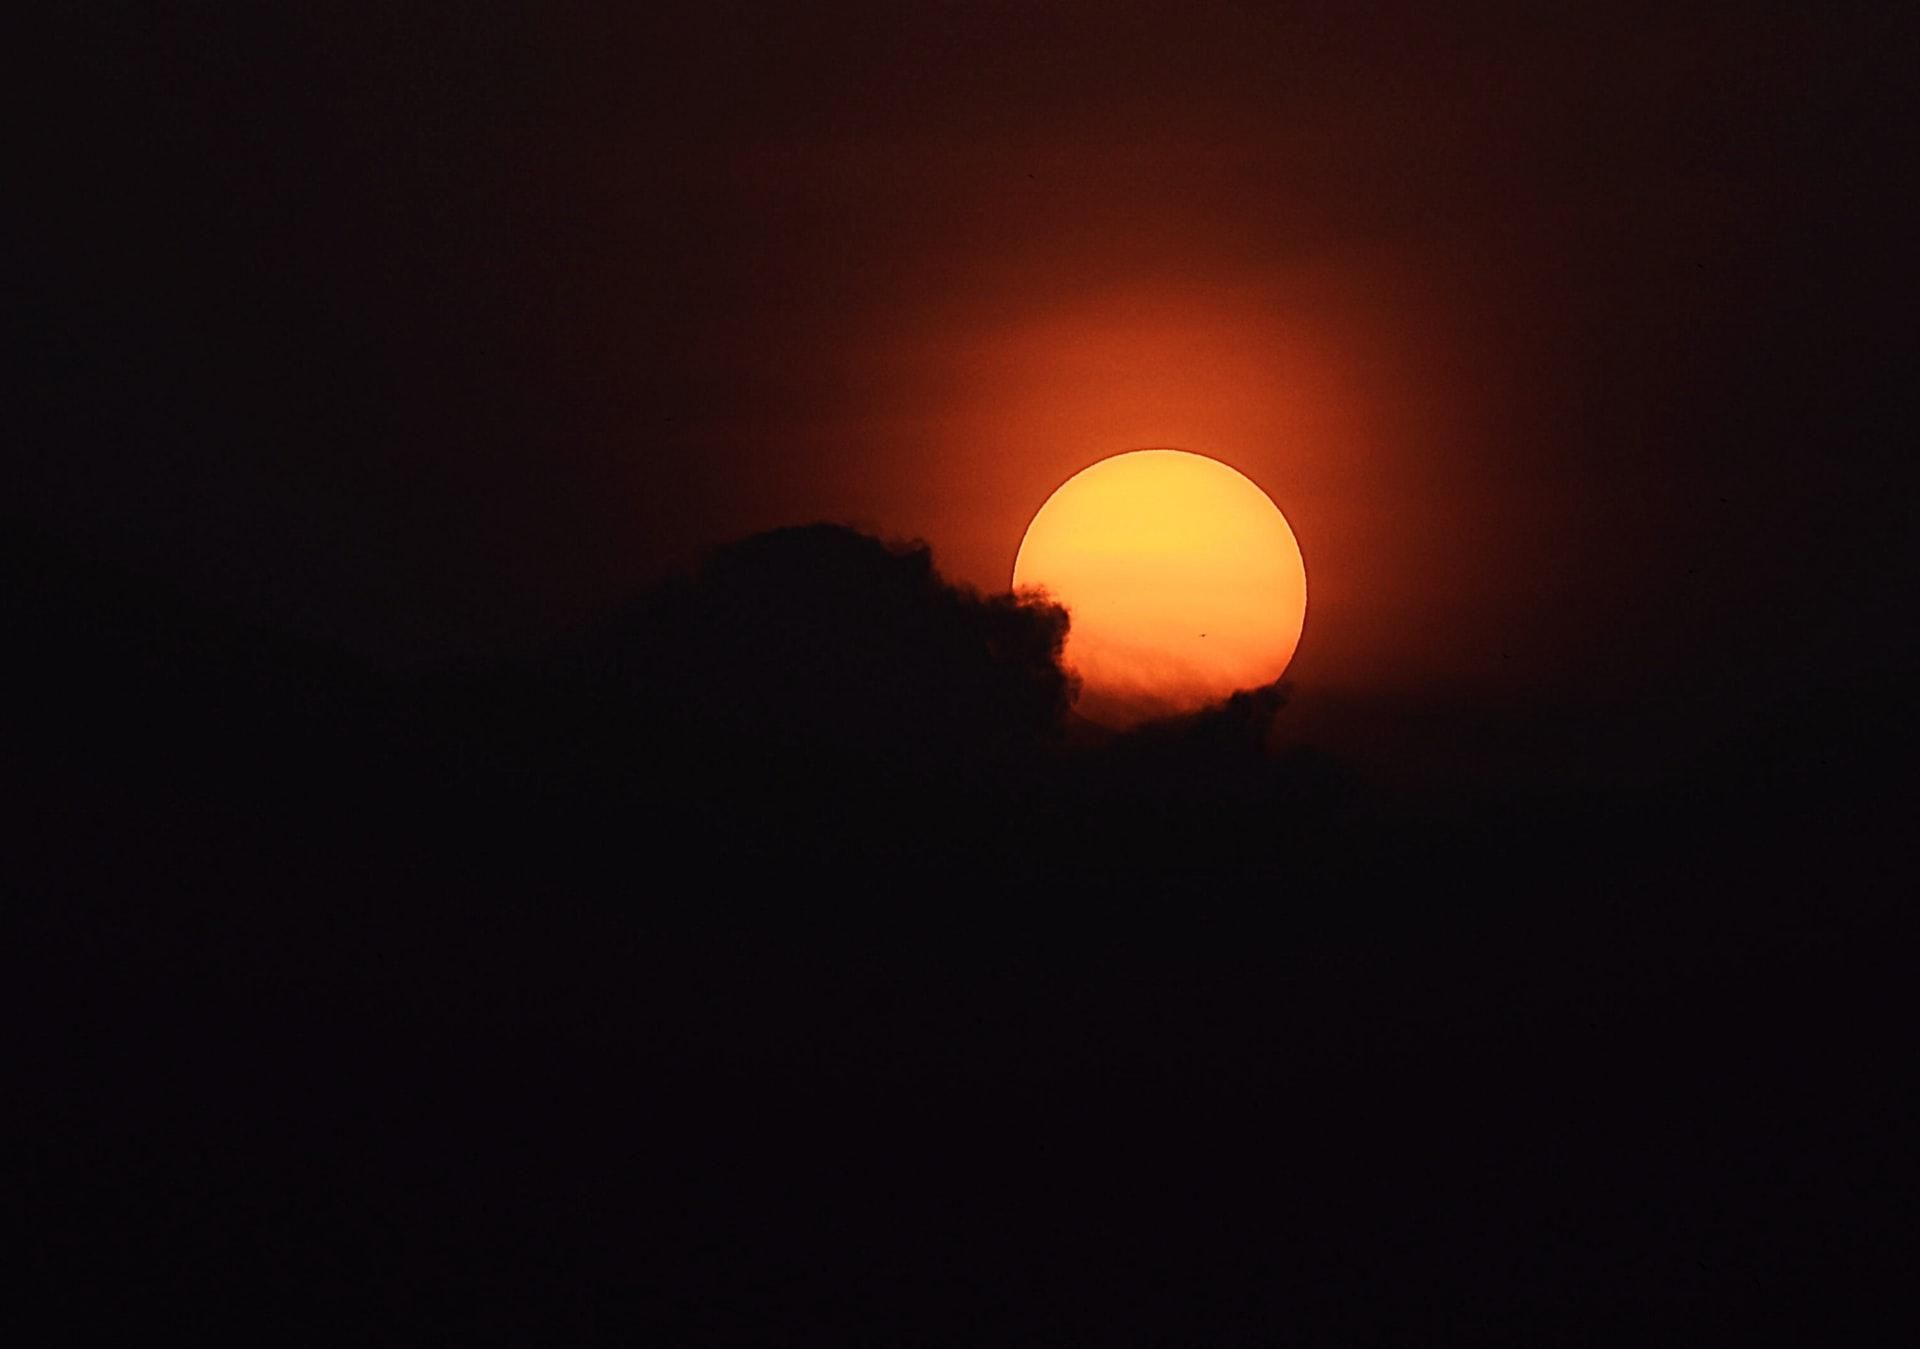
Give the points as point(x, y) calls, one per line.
point(1183, 582)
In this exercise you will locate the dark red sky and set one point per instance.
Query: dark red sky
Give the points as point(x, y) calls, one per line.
point(1567, 344)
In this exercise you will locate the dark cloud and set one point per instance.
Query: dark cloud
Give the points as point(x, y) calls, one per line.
point(782, 923)
point(821, 637)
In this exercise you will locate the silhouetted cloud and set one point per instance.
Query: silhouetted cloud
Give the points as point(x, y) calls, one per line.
point(821, 637)
point(1242, 721)
point(815, 931)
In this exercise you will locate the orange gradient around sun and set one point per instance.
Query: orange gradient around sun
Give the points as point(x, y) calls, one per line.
point(1182, 579)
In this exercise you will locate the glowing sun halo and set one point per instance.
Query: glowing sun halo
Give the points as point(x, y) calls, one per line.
point(1182, 579)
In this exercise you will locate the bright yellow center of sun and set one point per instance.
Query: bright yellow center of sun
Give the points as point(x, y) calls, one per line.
point(1182, 579)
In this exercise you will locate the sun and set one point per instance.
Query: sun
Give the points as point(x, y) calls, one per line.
point(1182, 579)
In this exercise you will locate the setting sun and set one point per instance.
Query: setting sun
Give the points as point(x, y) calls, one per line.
point(1183, 580)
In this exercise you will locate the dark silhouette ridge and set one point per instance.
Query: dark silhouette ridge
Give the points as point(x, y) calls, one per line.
point(774, 960)
point(821, 638)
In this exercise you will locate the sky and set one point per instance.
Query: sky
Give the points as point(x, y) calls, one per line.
point(1563, 340)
